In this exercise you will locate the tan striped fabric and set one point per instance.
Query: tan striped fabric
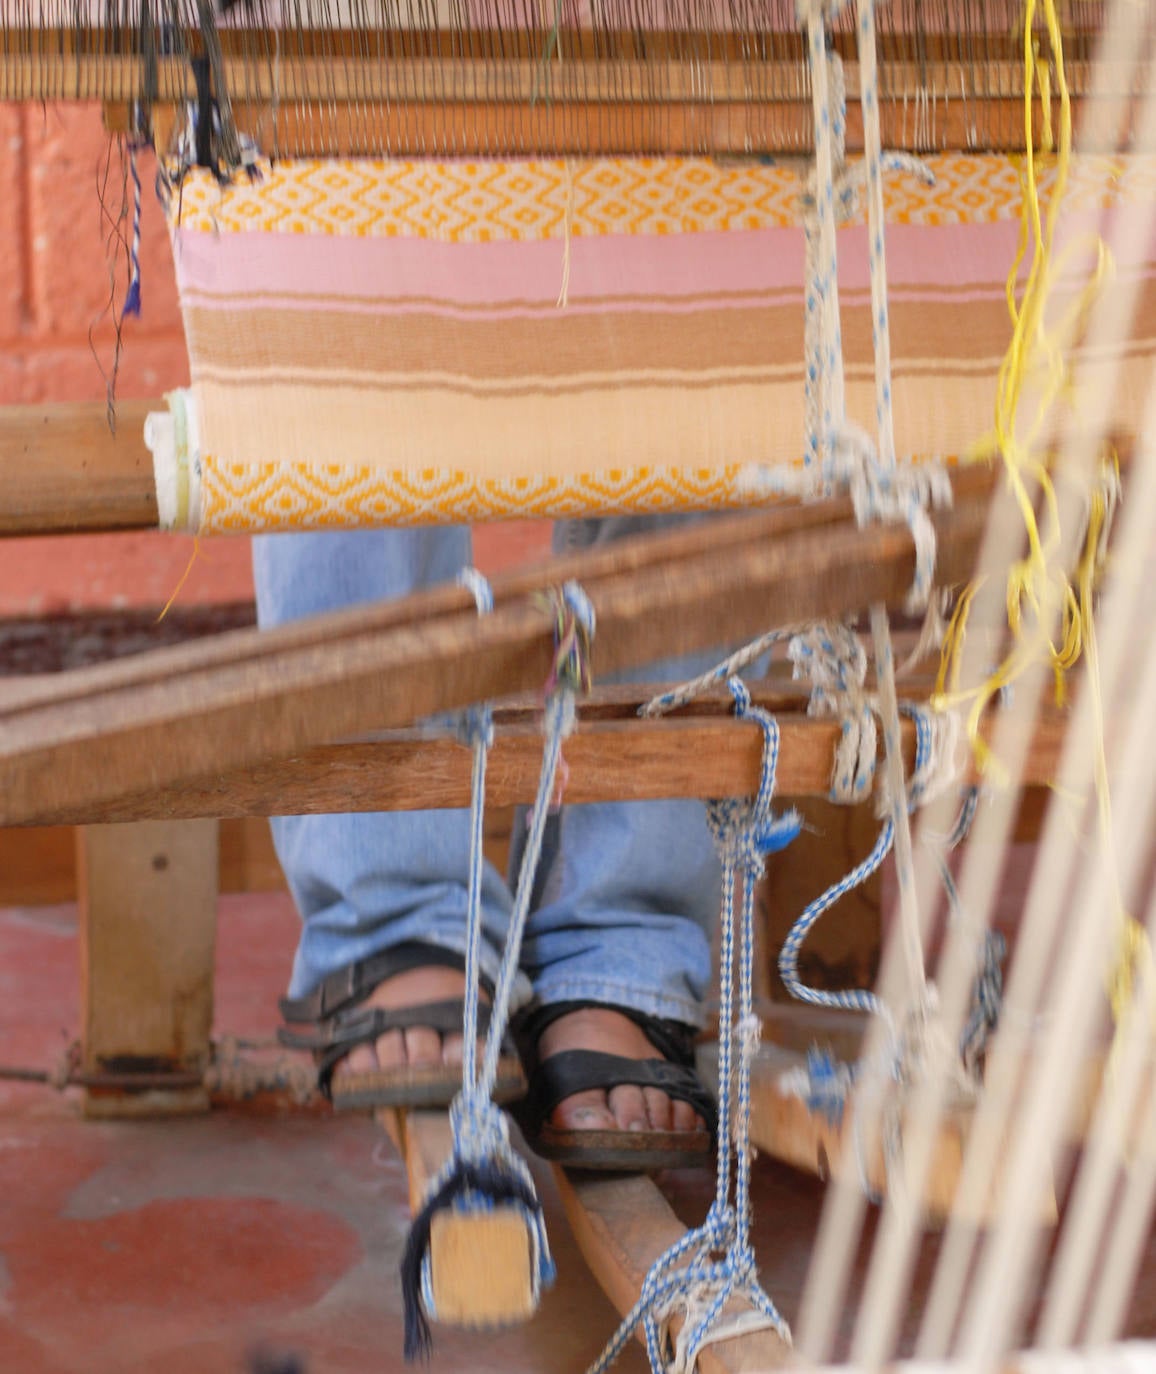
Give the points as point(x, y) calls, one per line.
point(411, 342)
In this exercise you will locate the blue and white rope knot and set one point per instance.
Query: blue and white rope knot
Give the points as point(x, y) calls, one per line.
point(714, 1264)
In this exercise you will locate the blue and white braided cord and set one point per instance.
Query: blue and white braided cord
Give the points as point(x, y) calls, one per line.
point(132, 300)
point(856, 999)
point(687, 1280)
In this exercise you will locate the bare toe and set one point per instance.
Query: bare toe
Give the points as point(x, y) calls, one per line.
point(658, 1110)
point(629, 1107)
point(423, 1046)
point(390, 1051)
point(684, 1117)
point(583, 1112)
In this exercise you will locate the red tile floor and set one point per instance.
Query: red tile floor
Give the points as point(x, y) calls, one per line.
point(186, 1245)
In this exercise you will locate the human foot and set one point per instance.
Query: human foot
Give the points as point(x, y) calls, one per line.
point(417, 1046)
point(623, 1108)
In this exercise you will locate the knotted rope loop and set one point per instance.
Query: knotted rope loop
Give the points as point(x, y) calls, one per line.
point(891, 493)
point(745, 833)
point(831, 658)
point(858, 999)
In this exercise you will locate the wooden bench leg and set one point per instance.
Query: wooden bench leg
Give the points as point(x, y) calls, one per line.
point(148, 920)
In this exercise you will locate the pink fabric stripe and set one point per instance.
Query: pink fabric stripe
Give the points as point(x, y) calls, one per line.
point(708, 268)
point(491, 273)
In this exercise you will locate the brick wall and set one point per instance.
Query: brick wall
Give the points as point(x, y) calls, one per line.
point(54, 290)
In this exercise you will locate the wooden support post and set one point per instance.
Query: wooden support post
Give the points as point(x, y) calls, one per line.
point(479, 1261)
point(148, 911)
point(622, 1225)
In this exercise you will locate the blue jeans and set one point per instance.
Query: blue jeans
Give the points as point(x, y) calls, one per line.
point(626, 893)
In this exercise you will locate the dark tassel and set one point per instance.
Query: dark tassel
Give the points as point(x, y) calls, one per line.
point(203, 77)
point(485, 1179)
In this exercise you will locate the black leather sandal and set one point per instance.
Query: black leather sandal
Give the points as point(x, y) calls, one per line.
point(554, 1079)
point(332, 1020)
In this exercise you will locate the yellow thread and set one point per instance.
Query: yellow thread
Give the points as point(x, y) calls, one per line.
point(1038, 591)
point(184, 578)
point(1044, 77)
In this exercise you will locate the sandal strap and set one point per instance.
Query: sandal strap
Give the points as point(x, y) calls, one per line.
point(674, 1040)
point(364, 1025)
point(350, 986)
point(575, 1071)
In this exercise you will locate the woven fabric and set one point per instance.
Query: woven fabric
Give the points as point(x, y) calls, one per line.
point(413, 342)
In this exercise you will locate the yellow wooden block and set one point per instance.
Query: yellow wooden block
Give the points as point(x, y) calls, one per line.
point(480, 1267)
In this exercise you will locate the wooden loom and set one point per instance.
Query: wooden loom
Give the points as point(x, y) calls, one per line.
point(241, 726)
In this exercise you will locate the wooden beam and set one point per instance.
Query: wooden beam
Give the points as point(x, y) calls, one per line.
point(518, 81)
point(479, 1261)
point(622, 1225)
point(176, 714)
point(62, 469)
point(607, 760)
point(38, 867)
point(148, 921)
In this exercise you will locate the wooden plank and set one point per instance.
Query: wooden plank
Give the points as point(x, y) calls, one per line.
point(622, 1225)
point(181, 713)
point(479, 1262)
point(607, 760)
point(783, 1126)
point(148, 911)
point(62, 469)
